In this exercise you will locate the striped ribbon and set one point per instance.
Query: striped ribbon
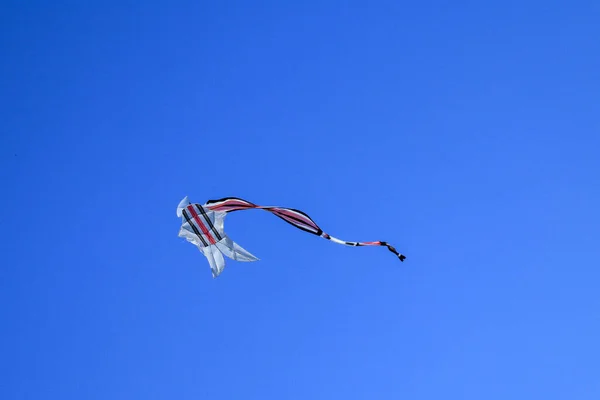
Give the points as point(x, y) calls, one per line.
point(292, 216)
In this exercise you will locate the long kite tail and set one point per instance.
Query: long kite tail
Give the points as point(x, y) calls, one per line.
point(292, 216)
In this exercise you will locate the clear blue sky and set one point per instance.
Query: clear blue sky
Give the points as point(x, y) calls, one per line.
point(465, 134)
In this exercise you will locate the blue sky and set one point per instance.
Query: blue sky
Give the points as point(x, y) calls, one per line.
point(466, 135)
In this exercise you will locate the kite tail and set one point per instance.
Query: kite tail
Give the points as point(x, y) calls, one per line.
point(356, 244)
point(293, 217)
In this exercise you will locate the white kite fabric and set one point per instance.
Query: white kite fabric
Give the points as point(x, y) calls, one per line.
point(202, 225)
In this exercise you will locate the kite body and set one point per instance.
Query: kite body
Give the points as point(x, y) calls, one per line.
point(202, 225)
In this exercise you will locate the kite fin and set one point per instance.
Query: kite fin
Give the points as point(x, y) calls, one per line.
point(182, 204)
point(215, 259)
point(234, 250)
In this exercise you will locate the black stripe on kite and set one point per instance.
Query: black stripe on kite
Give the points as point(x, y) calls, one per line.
point(196, 231)
point(224, 199)
point(275, 212)
point(299, 227)
point(208, 221)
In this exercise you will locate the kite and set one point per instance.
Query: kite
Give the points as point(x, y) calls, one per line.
point(202, 225)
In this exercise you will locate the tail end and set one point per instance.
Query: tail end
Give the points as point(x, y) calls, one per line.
point(391, 248)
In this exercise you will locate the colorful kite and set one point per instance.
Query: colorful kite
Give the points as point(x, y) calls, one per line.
point(202, 225)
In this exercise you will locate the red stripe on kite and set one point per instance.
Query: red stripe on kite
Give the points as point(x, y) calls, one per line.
point(201, 224)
